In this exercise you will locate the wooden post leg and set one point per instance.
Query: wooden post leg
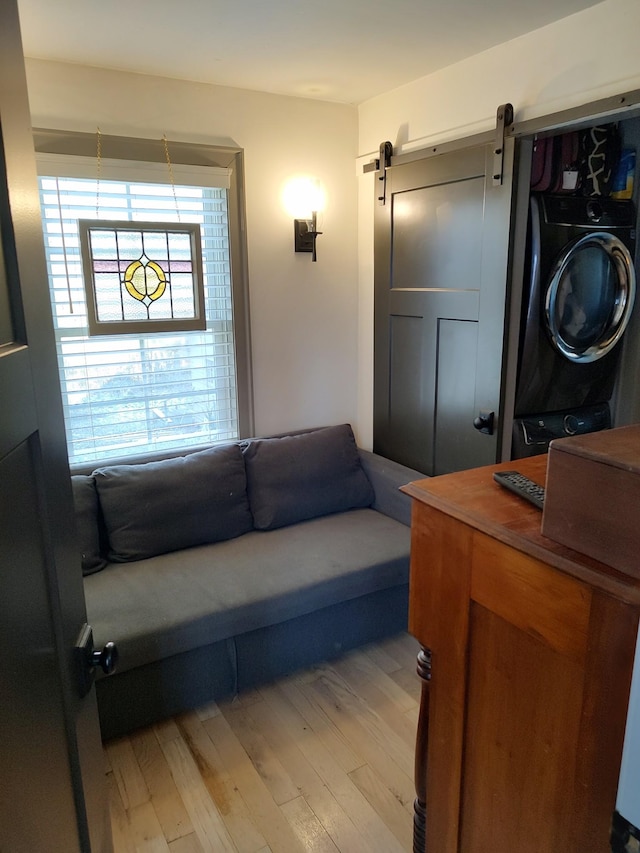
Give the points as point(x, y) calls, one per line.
point(624, 837)
point(420, 804)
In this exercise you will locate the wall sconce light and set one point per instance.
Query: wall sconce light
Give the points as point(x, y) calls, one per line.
point(303, 199)
point(305, 233)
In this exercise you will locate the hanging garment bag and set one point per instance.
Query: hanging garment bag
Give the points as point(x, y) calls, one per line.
point(568, 163)
point(542, 164)
point(555, 164)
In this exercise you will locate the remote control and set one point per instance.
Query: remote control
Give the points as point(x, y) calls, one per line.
point(521, 485)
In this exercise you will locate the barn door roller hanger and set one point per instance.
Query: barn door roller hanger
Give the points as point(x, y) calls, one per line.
point(504, 122)
point(382, 163)
point(504, 119)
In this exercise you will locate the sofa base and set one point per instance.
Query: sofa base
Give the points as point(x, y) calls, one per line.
point(147, 694)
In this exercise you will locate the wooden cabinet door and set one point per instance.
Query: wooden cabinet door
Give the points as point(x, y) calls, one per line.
point(529, 688)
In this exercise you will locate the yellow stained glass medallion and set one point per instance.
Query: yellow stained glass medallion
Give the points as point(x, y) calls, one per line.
point(145, 281)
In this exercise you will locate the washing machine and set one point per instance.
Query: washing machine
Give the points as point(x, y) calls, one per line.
point(578, 298)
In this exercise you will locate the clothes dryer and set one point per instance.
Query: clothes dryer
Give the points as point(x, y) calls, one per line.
point(576, 306)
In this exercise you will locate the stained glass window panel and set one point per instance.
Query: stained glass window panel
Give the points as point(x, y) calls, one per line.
point(142, 276)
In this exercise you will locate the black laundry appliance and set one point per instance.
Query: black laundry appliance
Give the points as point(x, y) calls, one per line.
point(577, 301)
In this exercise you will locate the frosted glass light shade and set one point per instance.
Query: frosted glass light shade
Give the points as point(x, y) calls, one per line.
point(302, 195)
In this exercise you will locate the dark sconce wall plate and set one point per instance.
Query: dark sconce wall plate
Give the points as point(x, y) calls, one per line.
point(305, 234)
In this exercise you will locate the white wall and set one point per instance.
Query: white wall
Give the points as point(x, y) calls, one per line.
point(304, 315)
point(587, 56)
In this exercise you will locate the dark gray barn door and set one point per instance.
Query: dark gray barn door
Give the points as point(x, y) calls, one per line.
point(441, 246)
point(52, 782)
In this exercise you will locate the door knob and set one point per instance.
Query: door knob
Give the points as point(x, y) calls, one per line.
point(483, 422)
point(89, 659)
point(106, 658)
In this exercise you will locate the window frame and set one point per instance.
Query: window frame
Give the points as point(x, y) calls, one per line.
point(186, 154)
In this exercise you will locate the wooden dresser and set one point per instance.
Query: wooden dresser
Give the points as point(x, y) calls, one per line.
point(526, 666)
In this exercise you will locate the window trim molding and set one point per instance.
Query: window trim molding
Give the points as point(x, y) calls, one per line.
point(134, 170)
point(50, 141)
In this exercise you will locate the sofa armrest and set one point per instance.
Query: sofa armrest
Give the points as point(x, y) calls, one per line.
point(386, 477)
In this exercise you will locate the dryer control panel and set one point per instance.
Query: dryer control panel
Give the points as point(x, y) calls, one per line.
point(532, 434)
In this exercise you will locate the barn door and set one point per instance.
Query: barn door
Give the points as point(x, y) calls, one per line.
point(441, 255)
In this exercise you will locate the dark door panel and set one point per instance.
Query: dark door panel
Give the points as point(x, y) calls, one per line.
point(441, 247)
point(435, 243)
point(52, 782)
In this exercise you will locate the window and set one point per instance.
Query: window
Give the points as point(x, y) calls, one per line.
point(129, 394)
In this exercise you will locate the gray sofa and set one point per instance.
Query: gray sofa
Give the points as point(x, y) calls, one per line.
point(227, 567)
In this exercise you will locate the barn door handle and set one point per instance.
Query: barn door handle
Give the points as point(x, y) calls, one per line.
point(89, 659)
point(483, 422)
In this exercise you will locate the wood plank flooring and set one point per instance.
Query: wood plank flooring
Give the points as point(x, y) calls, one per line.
point(320, 761)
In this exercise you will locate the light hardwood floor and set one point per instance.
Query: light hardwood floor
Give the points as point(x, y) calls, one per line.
point(320, 761)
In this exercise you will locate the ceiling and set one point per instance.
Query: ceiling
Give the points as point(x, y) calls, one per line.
point(337, 50)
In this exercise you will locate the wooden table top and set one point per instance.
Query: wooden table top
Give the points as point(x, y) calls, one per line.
point(474, 498)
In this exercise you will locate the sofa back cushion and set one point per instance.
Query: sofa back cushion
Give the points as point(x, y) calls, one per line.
point(89, 525)
point(303, 476)
point(156, 507)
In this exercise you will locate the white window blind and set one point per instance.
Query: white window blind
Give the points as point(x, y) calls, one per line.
point(130, 394)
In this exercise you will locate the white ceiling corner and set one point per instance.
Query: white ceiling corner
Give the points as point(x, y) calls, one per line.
point(337, 50)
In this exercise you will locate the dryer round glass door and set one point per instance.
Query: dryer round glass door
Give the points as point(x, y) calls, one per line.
point(589, 297)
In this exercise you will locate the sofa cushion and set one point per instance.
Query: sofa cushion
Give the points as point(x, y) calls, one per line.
point(88, 524)
point(156, 507)
point(296, 477)
point(179, 601)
